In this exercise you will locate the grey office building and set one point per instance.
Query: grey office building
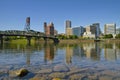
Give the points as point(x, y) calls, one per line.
point(68, 24)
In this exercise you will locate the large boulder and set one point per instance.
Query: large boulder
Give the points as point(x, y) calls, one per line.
point(18, 73)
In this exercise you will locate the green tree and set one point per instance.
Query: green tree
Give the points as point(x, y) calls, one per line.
point(117, 36)
point(108, 36)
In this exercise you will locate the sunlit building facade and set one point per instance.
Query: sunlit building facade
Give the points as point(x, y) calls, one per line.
point(118, 31)
point(92, 31)
point(110, 29)
point(49, 29)
point(68, 29)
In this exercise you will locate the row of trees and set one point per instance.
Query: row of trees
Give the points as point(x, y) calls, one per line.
point(108, 36)
point(117, 36)
point(8, 38)
point(67, 37)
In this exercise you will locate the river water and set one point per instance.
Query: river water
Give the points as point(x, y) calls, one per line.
point(100, 60)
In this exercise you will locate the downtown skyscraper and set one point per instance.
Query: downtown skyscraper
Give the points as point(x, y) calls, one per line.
point(68, 29)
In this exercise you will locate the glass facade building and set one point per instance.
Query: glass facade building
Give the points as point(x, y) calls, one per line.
point(78, 31)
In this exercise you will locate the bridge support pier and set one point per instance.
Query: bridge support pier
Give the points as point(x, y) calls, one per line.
point(1, 39)
point(28, 40)
point(37, 39)
point(56, 40)
point(46, 39)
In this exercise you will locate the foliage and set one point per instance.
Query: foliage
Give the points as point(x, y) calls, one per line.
point(62, 37)
point(8, 38)
point(108, 36)
point(73, 37)
point(67, 37)
point(117, 36)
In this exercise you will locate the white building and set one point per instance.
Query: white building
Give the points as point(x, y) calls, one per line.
point(118, 31)
point(110, 29)
point(88, 35)
point(92, 31)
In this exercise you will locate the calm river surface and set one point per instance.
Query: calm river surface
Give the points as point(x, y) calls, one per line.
point(93, 61)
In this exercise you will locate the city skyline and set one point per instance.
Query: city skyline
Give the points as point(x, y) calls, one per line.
point(79, 12)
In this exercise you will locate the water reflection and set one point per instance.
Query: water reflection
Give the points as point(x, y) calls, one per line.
point(92, 51)
point(49, 52)
point(69, 54)
point(46, 53)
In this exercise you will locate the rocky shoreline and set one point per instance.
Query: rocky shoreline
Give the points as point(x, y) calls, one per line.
point(63, 72)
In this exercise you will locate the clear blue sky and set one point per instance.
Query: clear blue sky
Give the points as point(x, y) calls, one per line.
point(13, 13)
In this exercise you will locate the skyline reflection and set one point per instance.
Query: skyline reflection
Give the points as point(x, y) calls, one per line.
point(46, 53)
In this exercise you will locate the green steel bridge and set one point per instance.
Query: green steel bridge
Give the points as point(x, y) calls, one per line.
point(28, 34)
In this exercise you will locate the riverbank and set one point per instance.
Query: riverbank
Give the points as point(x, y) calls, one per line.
point(111, 40)
point(92, 71)
point(89, 41)
point(65, 41)
point(74, 41)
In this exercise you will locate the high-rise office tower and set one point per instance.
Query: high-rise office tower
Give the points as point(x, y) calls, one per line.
point(68, 24)
point(78, 31)
point(68, 29)
point(97, 31)
point(49, 29)
point(110, 29)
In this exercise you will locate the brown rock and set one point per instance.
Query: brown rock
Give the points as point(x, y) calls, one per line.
point(20, 73)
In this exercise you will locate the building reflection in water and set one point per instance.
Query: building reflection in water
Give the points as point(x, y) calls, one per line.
point(78, 52)
point(69, 54)
point(92, 50)
point(110, 52)
point(49, 52)
point(118, 53)
point(89, 50)
point(28, 51)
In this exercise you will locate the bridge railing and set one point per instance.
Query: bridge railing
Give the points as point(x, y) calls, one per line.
point(21, 33)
